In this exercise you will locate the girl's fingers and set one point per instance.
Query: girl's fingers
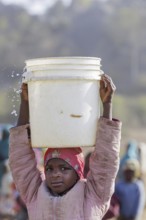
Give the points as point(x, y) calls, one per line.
point(24, 91)
point(102, 84)
point(24, 86)
point(108, 82)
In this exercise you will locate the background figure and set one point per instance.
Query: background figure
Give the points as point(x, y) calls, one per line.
point(142, 153)
point(130, 192)
point(4, 151)
point(7, 201)
point(132, 152)
point(113, 210)
point(11, 205)
point(21, 210)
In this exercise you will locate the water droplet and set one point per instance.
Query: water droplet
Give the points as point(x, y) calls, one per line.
point(14, 112)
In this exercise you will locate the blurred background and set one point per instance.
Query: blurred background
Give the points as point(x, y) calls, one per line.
point(114, 30)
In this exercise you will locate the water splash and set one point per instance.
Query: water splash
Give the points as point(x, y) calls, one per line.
point(14, 113)
point(15, 94)
point(13, 74)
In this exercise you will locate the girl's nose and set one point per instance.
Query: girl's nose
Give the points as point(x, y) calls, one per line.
point(56, 173)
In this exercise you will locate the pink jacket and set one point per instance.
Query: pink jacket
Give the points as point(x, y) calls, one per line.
point(88, 199)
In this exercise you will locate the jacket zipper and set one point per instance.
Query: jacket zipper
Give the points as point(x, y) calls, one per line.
point(54, 206)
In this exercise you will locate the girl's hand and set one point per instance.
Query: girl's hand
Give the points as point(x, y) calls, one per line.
point(107, 89)
point(24, 93)
point(24, 106)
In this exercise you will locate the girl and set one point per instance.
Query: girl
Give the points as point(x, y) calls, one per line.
point(65, 194)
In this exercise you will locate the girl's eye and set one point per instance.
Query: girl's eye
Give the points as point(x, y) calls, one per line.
point(65, 168)
point(48, 169)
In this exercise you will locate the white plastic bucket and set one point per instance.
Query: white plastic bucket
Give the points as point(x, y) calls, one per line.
point(63, 100)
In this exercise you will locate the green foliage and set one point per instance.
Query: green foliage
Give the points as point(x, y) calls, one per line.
point(5, 104)
point(130, 110)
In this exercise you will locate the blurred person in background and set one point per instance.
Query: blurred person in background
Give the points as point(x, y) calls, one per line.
point(11, 204)
point(142, 153)
point(7, 201)
point(131, 152)
point(20, 208)
point(130, 192)
point(4, 150)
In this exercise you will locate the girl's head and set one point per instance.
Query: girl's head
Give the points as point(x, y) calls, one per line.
point(63, 168)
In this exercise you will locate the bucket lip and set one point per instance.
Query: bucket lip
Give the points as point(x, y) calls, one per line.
point(63, 58)
point(90, 75)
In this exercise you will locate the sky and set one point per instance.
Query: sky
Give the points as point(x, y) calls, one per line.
point(34, 6)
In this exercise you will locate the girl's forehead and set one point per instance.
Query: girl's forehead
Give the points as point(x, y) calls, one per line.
point(57, 161)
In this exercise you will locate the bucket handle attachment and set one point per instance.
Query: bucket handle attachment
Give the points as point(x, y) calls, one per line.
point(27, 76)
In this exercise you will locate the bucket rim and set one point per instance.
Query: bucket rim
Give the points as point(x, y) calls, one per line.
point(64, 57)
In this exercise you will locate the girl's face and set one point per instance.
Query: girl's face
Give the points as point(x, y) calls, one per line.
point(60, 176)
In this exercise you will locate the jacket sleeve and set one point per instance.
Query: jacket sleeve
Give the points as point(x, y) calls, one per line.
point(23, 164)
point(103, 166)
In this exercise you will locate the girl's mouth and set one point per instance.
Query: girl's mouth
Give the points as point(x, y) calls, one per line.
point(56, 184)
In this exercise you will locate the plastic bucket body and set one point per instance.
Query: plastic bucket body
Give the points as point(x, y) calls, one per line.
point(63, 101)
